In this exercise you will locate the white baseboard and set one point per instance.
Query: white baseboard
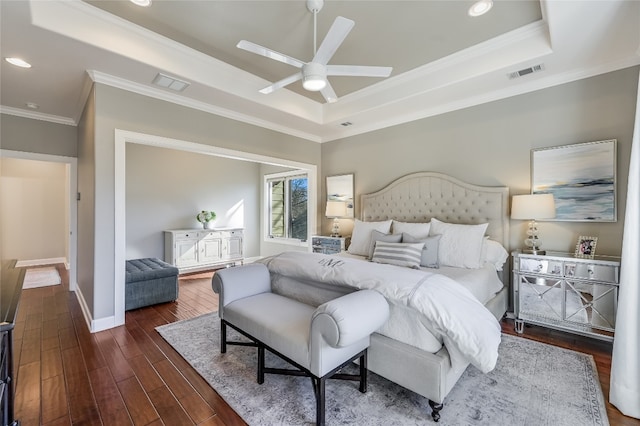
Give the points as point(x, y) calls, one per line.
point(93, 325)
point(38, 262)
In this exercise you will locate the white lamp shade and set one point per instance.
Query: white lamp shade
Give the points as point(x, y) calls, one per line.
point(336, 209)
point(533, 206)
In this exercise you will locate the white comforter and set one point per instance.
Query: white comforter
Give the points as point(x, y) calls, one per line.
point(446, 308)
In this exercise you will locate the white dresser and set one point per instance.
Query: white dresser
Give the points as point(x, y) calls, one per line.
point(561, 291)
point(198, 249)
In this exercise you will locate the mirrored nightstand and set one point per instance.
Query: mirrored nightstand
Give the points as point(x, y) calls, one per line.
point(566, 293)
point(329, 245)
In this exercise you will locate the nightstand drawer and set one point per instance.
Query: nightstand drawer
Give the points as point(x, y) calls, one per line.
point(590, 271)
point(541, 266)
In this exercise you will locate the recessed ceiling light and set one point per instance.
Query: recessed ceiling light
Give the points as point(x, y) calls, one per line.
point(143, 3)
point(32, 105)
point(18, 62)
point(480, 7)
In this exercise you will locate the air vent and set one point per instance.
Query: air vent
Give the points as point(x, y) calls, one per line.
point(526, 71)
point(170, 82)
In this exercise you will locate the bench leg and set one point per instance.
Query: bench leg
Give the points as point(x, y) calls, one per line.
point(319, 388)
point(363, 372)
point(223, 337)
point(260, 363)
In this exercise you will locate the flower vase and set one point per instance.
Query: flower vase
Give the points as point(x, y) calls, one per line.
point(205, 225)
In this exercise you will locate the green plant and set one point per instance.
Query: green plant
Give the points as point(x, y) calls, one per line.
point(206, 216)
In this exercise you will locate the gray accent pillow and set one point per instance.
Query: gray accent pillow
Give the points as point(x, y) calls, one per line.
point(429, 251)
point(381, 236)
point(399, 254)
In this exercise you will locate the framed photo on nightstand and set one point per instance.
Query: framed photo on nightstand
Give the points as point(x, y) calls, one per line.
point(586, 247)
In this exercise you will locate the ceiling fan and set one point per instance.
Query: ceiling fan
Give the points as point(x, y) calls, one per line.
point(314, 73)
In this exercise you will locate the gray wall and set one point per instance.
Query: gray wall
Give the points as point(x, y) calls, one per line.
point(167, 188)
point(490, 145)
point(43, 137)
point(86, 205)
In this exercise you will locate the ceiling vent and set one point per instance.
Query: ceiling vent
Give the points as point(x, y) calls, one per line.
point(526, 71)
point(170, 82)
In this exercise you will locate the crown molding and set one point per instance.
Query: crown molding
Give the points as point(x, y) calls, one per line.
point(141, 89)
point(37, 116)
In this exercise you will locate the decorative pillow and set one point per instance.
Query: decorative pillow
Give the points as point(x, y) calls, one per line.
point(429, 257)
point(460, 245)
point(361, 235)
point(493, 253)
point(379, 236)
point(399, 254)
point(418, 230)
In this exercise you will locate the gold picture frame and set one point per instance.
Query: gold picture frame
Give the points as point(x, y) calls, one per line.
point(586, 247)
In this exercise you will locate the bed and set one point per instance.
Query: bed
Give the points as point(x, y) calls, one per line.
point(430, 366)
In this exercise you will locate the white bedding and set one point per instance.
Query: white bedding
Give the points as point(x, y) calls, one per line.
point(450, 313)
point(483, 283)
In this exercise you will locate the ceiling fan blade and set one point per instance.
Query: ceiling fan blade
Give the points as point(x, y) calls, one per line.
point(280, 84)
point(334, 38)
point(272, 54)
point(329, 94)
point(359, 70)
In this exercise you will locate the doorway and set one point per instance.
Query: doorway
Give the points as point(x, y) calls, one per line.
point(70, 213)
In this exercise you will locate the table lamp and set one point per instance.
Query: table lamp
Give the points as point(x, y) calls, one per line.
point(336, 210)
point(533, 207)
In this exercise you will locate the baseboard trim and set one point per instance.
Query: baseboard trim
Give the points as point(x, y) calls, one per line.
point(93, 325)
point(38, 262)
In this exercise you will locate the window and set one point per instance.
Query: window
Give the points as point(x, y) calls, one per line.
point(287, 208)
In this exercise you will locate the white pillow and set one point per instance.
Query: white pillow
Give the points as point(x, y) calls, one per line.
point(417, 230)
point(400, 254)
point(460, 245)
point(493, 253)
point(361, 235)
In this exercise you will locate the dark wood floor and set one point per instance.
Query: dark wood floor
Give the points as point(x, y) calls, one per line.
point(130, 375)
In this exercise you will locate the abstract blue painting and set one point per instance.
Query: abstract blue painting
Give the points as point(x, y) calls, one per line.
point(581, 177)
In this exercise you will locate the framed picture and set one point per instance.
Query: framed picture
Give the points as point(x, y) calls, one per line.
point(586, 247)
point(340, 188)
point(581, 177)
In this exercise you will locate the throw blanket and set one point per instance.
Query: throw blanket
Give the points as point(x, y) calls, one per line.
point(449, 310)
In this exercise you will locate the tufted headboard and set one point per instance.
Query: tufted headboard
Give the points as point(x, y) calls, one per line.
point(420, 196)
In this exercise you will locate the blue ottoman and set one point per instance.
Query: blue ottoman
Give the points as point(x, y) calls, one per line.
point(149, 281)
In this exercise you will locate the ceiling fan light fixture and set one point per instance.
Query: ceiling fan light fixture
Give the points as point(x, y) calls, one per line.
point(314, 83)
point(314, 77)
point(480, 7)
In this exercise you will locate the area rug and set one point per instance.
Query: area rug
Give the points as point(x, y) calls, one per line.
point(532, 384)
point(41, 277)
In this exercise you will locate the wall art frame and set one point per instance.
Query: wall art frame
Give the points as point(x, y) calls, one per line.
point(581, 177)
point(341, 188)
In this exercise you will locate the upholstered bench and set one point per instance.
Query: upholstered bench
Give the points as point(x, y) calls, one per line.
point(148, 282)
point(317, 341)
